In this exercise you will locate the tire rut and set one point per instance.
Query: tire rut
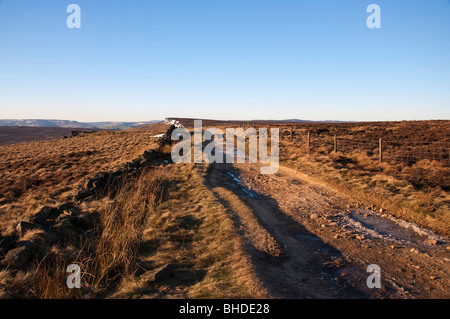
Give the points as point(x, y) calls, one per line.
point(290, 261)
point(410, 268)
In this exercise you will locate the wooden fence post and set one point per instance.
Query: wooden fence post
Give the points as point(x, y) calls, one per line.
point(381, 151)
point(309, 139)
point(335, 143)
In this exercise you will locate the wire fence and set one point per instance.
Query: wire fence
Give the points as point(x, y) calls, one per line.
point(394, 152)
point(411, 153)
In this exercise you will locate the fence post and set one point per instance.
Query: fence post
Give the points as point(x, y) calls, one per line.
point(309, 139)
point(335, 143)
point(290, 138)
point(381, 151)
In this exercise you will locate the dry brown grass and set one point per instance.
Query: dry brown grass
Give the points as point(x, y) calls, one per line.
point(165, 215)
point(417, 192)
point(50, 172)
point(136, 231)
point(123, 222)
point(192, 230)
point(104, 262)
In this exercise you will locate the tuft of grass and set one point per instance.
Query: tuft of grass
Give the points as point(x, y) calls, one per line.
point(113, 256)
point(123, 221)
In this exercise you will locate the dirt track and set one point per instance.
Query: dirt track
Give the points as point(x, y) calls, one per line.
point(308, 241)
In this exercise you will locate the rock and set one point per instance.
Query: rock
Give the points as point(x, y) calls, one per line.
point(67, 215)
point(65, 222)
point(314, 216)
point(47, 212)
point(99, 181)
point(26, 243)
point(360, 237)
point(134, 164)
point(431, 242)
point(149, 154)
point(413, 250)
point(23, 227)
point(51, 237)
point(65, 207)
point(85, 221)
point(381, 210)
point(41, 216)
point(64, 230)
point(84, 193)
point(64, 233)
point(5, 244)
point(18, 258)
point(91, 181)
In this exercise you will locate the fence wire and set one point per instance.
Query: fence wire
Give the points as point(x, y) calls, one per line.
point(394, 152)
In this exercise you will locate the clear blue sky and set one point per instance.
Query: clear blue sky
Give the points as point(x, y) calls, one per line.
point(225, 59)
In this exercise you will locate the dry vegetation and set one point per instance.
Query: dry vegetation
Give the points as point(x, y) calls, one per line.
point(164, 214)
point(105, 257)
point(156, 215)
point(417, 191)
point(50, 172)
point(412, 182)
point(21, 134)
point(192, 231)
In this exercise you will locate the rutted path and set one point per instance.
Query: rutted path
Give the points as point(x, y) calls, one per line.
point(308, 241)
point(290, 261)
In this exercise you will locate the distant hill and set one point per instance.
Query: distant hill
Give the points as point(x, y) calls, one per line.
point(75, 124)
point(21, 134)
